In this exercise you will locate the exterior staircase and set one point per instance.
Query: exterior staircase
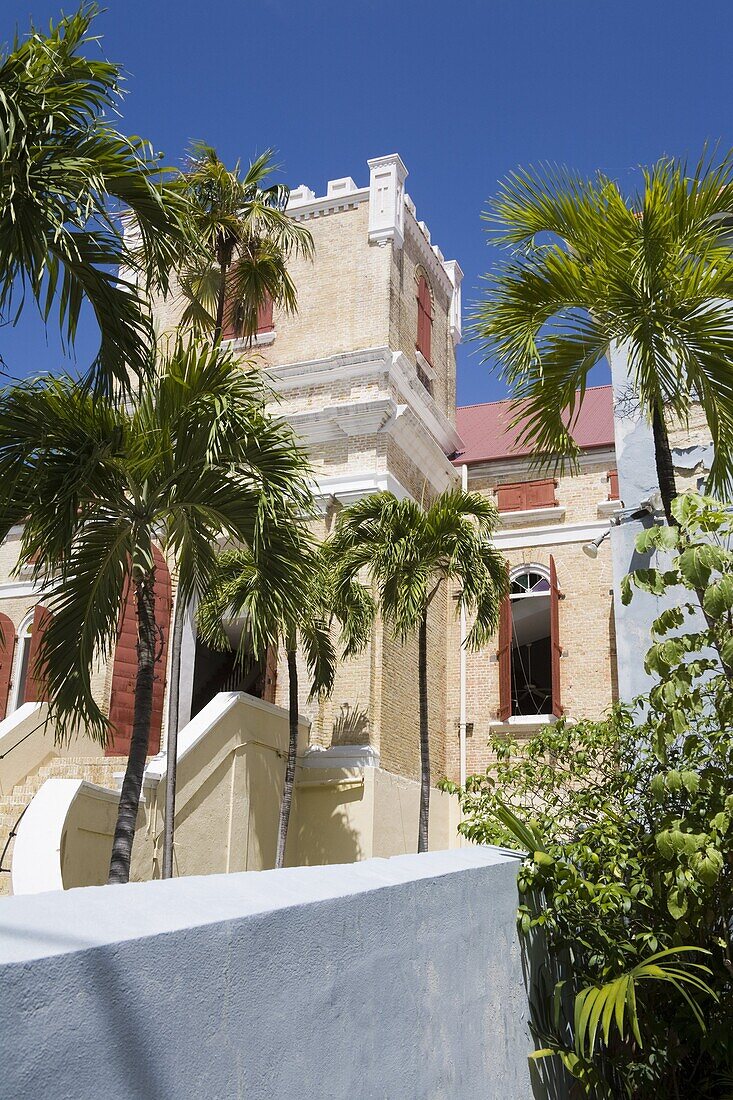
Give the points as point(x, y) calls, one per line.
point(100, 770)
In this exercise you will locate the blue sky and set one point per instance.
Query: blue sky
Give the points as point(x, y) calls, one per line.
point(465, 91)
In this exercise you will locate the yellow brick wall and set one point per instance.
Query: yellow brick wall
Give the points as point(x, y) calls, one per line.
point(587, 666)
point(579, 494)
point(406, 265)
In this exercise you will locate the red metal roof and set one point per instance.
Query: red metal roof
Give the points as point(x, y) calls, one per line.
point(487, 433)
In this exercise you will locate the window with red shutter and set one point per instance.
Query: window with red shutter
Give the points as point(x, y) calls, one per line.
point(523, 495)
point(613, 485)
point(35, 689)
point(7, 650)
point(232, 328)
point(424, 319)
point(264, 317)
point(529, 645)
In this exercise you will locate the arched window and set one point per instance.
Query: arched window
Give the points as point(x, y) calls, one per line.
point(21, 662)
point(424, 319)
point(529, 647)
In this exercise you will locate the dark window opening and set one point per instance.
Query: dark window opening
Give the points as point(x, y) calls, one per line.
point(529, 649)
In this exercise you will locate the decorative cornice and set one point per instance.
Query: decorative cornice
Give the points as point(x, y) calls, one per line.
point(526, 464)
point(395, 367)
point(327, 204)
point(348, 488)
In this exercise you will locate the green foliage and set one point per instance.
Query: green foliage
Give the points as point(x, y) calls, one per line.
point(66, 175)
point(408, 551)
point(628, 824)
point(238, 244)
point(194, 458)
point(586, 268)
point(295, 600)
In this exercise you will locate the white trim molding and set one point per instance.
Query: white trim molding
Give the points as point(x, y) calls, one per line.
point(519, 724)
point(555, 512)
point(609, 507)
point(393, 367)
point(341, 756)
point(348, 488)
point(24, 588)
point(552, 535)
point(387, 177)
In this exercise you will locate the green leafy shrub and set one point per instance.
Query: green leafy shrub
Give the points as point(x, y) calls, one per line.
point(627, 823)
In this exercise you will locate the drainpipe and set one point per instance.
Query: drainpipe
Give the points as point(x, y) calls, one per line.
point(462, 689)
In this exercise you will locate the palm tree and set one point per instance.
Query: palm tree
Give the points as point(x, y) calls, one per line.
point(65, 175)
point(192, 459)
point(239, 242)
point(296, 609)
point(589, 272)
point(408, 553)
point(232, 260)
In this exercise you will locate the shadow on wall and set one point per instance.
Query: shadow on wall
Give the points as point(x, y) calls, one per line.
point(323, 829)
point(550, 1080)
point(351, 727)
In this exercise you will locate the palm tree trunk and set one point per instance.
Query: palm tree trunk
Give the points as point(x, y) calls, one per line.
point(287, 799)
point(172, 742)
point(663, 460)
point(119, 868)
point(422, 659)
point(222, 296)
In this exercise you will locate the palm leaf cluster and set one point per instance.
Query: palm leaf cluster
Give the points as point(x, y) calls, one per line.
point(587, 270)
point(235, 257)
point(407, 551)
point(65, 176)
point(195, 458)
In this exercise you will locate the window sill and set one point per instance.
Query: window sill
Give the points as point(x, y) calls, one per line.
point(522, 723)
point(609, 508)
point(259, 340)
point(424, 365)
point(528, 516)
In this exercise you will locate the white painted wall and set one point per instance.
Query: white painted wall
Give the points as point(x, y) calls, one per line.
point(391, 979)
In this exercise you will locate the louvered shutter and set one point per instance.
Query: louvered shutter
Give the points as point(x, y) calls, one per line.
point(264, 317)
point(504, 657)
point(36, 690)
point(555, 648)
point(613, 485)
point(511, 498)
point(270, 679)
point(7, 650)
point(424, 319)
point(124, 672)
point(541, 494)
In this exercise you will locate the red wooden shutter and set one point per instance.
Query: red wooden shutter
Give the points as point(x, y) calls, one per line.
point(424, 319)
point(505, 659)
point(269, 685)
point(264, 317)
point(612, 478)
point(7, 649)
point(124, 673)
point(541, 494)
point(555, 648)
point(36, 690)
point(511, 498)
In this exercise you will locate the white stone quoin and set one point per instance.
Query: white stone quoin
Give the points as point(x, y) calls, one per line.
point(387, 177)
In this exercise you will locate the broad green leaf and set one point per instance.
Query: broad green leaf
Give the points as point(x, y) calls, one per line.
point(718, 597)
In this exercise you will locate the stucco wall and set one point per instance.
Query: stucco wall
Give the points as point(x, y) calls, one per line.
point(389, 979)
